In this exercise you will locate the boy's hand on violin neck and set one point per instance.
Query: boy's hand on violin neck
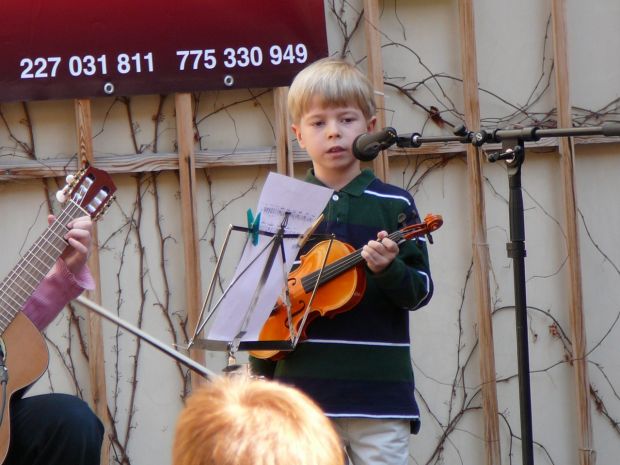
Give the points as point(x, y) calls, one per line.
point(380, 253)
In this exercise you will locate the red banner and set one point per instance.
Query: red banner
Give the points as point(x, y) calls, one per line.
point(54, 49)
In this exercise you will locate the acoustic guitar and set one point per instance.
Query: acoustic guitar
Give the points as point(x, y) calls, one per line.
point(23, 352)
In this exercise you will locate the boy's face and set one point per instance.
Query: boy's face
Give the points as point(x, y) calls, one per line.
point(327, 134)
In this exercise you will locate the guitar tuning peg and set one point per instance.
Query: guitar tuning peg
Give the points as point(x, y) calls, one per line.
point(70, 178)
point(61, 196)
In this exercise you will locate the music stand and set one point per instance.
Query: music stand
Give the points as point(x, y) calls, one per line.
point(272, 248)
point(290, 210)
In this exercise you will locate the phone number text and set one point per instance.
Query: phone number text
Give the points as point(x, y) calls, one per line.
point(241, 57)
point(145, 63)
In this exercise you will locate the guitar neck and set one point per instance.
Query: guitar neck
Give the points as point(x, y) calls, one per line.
point(25, 277)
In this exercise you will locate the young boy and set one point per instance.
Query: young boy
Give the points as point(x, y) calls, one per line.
point(357, 365)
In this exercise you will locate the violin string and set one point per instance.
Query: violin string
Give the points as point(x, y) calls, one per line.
point(339, 266)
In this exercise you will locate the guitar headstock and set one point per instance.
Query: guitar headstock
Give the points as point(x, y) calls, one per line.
point(91, 189)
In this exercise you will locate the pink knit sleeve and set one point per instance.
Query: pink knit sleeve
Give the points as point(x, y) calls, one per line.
point(58, 288)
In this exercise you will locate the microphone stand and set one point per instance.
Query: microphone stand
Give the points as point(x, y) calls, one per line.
point(513, 146)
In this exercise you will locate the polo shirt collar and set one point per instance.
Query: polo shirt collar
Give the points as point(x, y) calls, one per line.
point(356, 187)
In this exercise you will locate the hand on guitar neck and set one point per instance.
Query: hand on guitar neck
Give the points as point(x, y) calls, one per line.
point(79, 238)
point(24, 350)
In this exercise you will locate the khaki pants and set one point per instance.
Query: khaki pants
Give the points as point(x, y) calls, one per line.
point(374, 442)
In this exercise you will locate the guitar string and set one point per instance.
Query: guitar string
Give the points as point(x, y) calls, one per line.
point(26, 282)
point(38, 246)
point(27, 268)
point(53, 238)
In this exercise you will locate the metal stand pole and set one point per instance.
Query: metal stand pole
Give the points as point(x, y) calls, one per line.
point(514, 155)
point(513, 144)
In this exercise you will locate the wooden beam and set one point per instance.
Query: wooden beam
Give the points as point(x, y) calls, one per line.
point(375, 74)
point(96, 353)
point(187, 177)
point(17, 168)
point(480, 246)
point(585, 448)
point(284, 152)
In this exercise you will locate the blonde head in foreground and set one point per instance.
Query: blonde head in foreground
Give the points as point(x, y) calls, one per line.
point(243, 421)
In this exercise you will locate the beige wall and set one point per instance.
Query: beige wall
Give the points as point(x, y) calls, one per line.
point(420, 45)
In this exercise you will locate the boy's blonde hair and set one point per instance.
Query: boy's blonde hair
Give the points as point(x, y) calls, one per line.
point(243, 421)
point(334, 82)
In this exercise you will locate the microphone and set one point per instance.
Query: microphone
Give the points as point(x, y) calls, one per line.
point(367, 146)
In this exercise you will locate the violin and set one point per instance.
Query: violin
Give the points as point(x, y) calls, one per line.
point(330, 280)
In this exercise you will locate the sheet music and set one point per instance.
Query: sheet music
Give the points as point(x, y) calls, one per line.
point(281, 194)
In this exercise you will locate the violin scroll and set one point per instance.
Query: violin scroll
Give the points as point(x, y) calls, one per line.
point(431, 223)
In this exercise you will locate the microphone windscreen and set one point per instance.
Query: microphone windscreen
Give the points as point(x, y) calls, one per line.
point(367, 146)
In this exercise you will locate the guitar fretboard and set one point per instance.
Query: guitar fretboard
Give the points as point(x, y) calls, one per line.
point(24, 278)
